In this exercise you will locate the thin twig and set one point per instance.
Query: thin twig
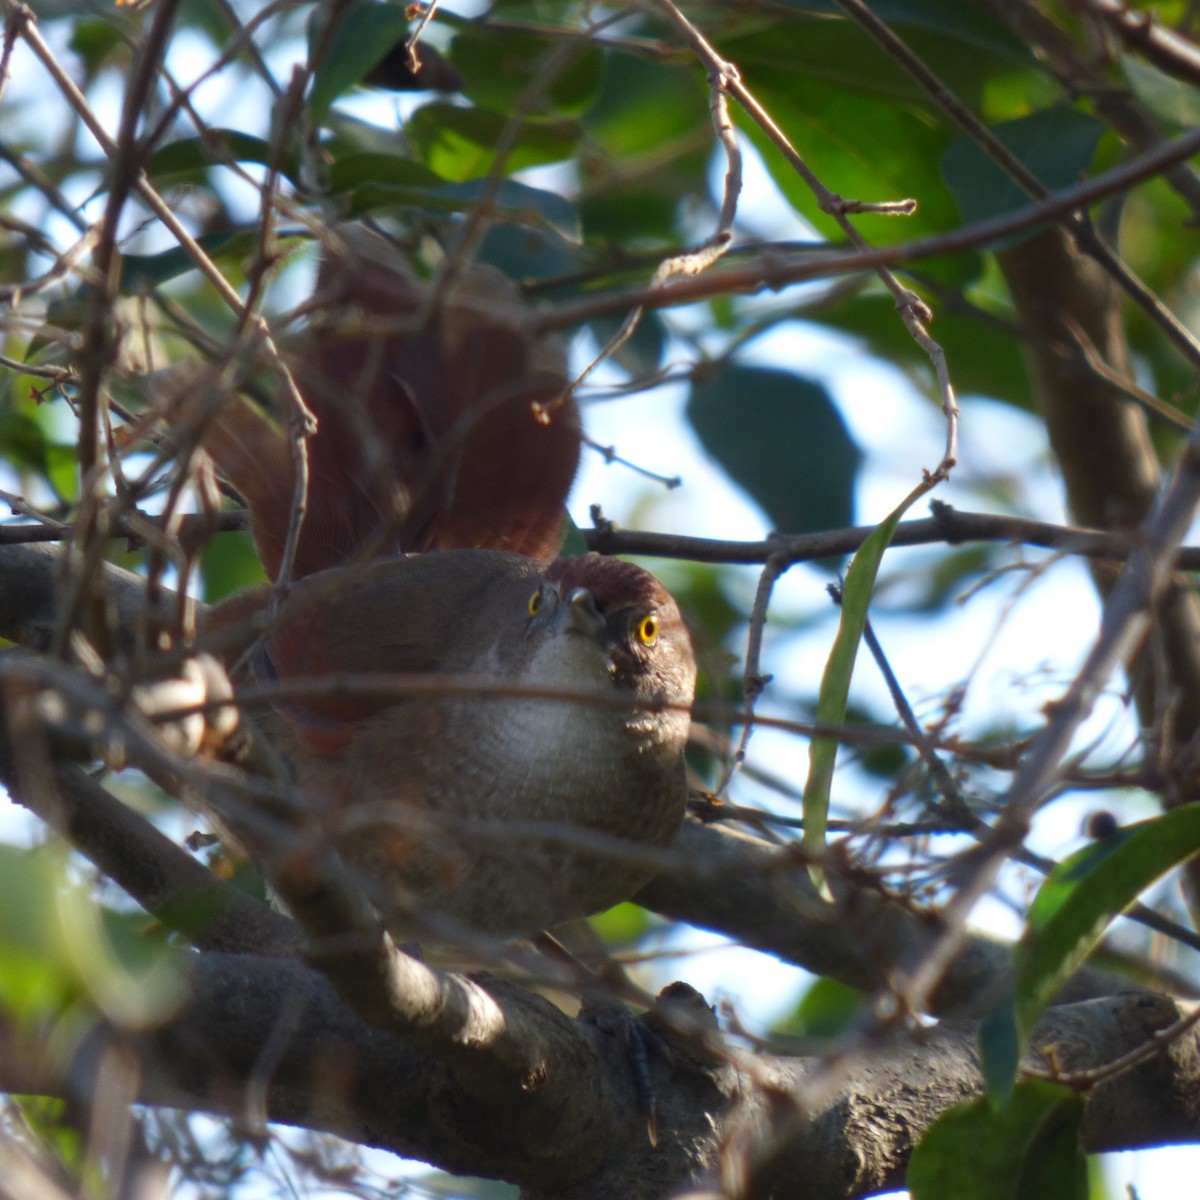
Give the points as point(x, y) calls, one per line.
point(775, 271)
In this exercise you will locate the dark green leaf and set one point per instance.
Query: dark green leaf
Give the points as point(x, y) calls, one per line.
point(961, 25)
point(507, 71)
point(533, 206)
point(142, 271)
point(1056, 144)
point(574, 542)
point(193, 156)
point(642, 353)
point(94, 41)
point(350, 171)
point(22, 440)
point(525, 253)
point(524, 204)
point(1028, 1150)
point(464, 143)
point(984, 356)
point(1000, 1051)
point(782, 439)
point(647, 108)
point(364, 35)
point(394, 72)
point(649, 146)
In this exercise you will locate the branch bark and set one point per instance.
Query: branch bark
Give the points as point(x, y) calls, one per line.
point(269, 1039)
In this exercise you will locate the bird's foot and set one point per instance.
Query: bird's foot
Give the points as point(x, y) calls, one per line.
point(639, 1042)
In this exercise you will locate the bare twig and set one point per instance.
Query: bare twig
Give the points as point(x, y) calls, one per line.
point(775, 271)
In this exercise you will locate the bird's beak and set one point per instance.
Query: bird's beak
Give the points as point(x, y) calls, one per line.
point(582, 616)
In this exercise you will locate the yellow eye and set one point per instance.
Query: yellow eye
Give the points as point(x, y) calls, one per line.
point(535, 602)
point(647, 630)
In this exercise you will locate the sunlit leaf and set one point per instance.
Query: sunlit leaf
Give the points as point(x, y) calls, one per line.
point(857, 590)
point(1083, 894)
point(826, 1010)
point(465, 143)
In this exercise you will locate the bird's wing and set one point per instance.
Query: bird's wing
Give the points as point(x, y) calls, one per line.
point(348, 644)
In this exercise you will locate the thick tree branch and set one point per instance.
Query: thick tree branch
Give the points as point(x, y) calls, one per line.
point(761, 895)
point(1111, 473)
point(167, 881)
point(269, 1038)
point(947, 526)
point(856, 1138)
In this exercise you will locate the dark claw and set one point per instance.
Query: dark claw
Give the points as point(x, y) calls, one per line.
point(639, 1041)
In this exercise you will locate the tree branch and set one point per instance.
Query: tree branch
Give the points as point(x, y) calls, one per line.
point(268, 1039)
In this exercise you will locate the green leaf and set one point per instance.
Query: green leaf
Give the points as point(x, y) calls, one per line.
point(1083, 894)
point(860, 122)
point(1000, 1051)
point(351, 171)
point(364, 36)
point(1172, 101)
point(522, 204)
point(189, 157)
point(649, 143)
point(58, 945)
point(526, 253)
point(574, 542)
point(529, 205)
point(781, 438)
point(506, 71)
point(623, 925)
point(835, 680)
point(985, 359)
point(140, 272)
point(23, 441)
point(228, 565)
point(826, 1010)
point(94, 41)
point(1056, 144)
point(959, 24)
point(34, 980)
point(642, 353)
point(464, 143)
point(646, 107)
point(1028, 1150)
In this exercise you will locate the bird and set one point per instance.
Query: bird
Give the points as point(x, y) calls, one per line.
point(502, 746)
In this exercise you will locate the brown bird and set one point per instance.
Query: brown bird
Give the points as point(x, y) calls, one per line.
point(539, 753)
